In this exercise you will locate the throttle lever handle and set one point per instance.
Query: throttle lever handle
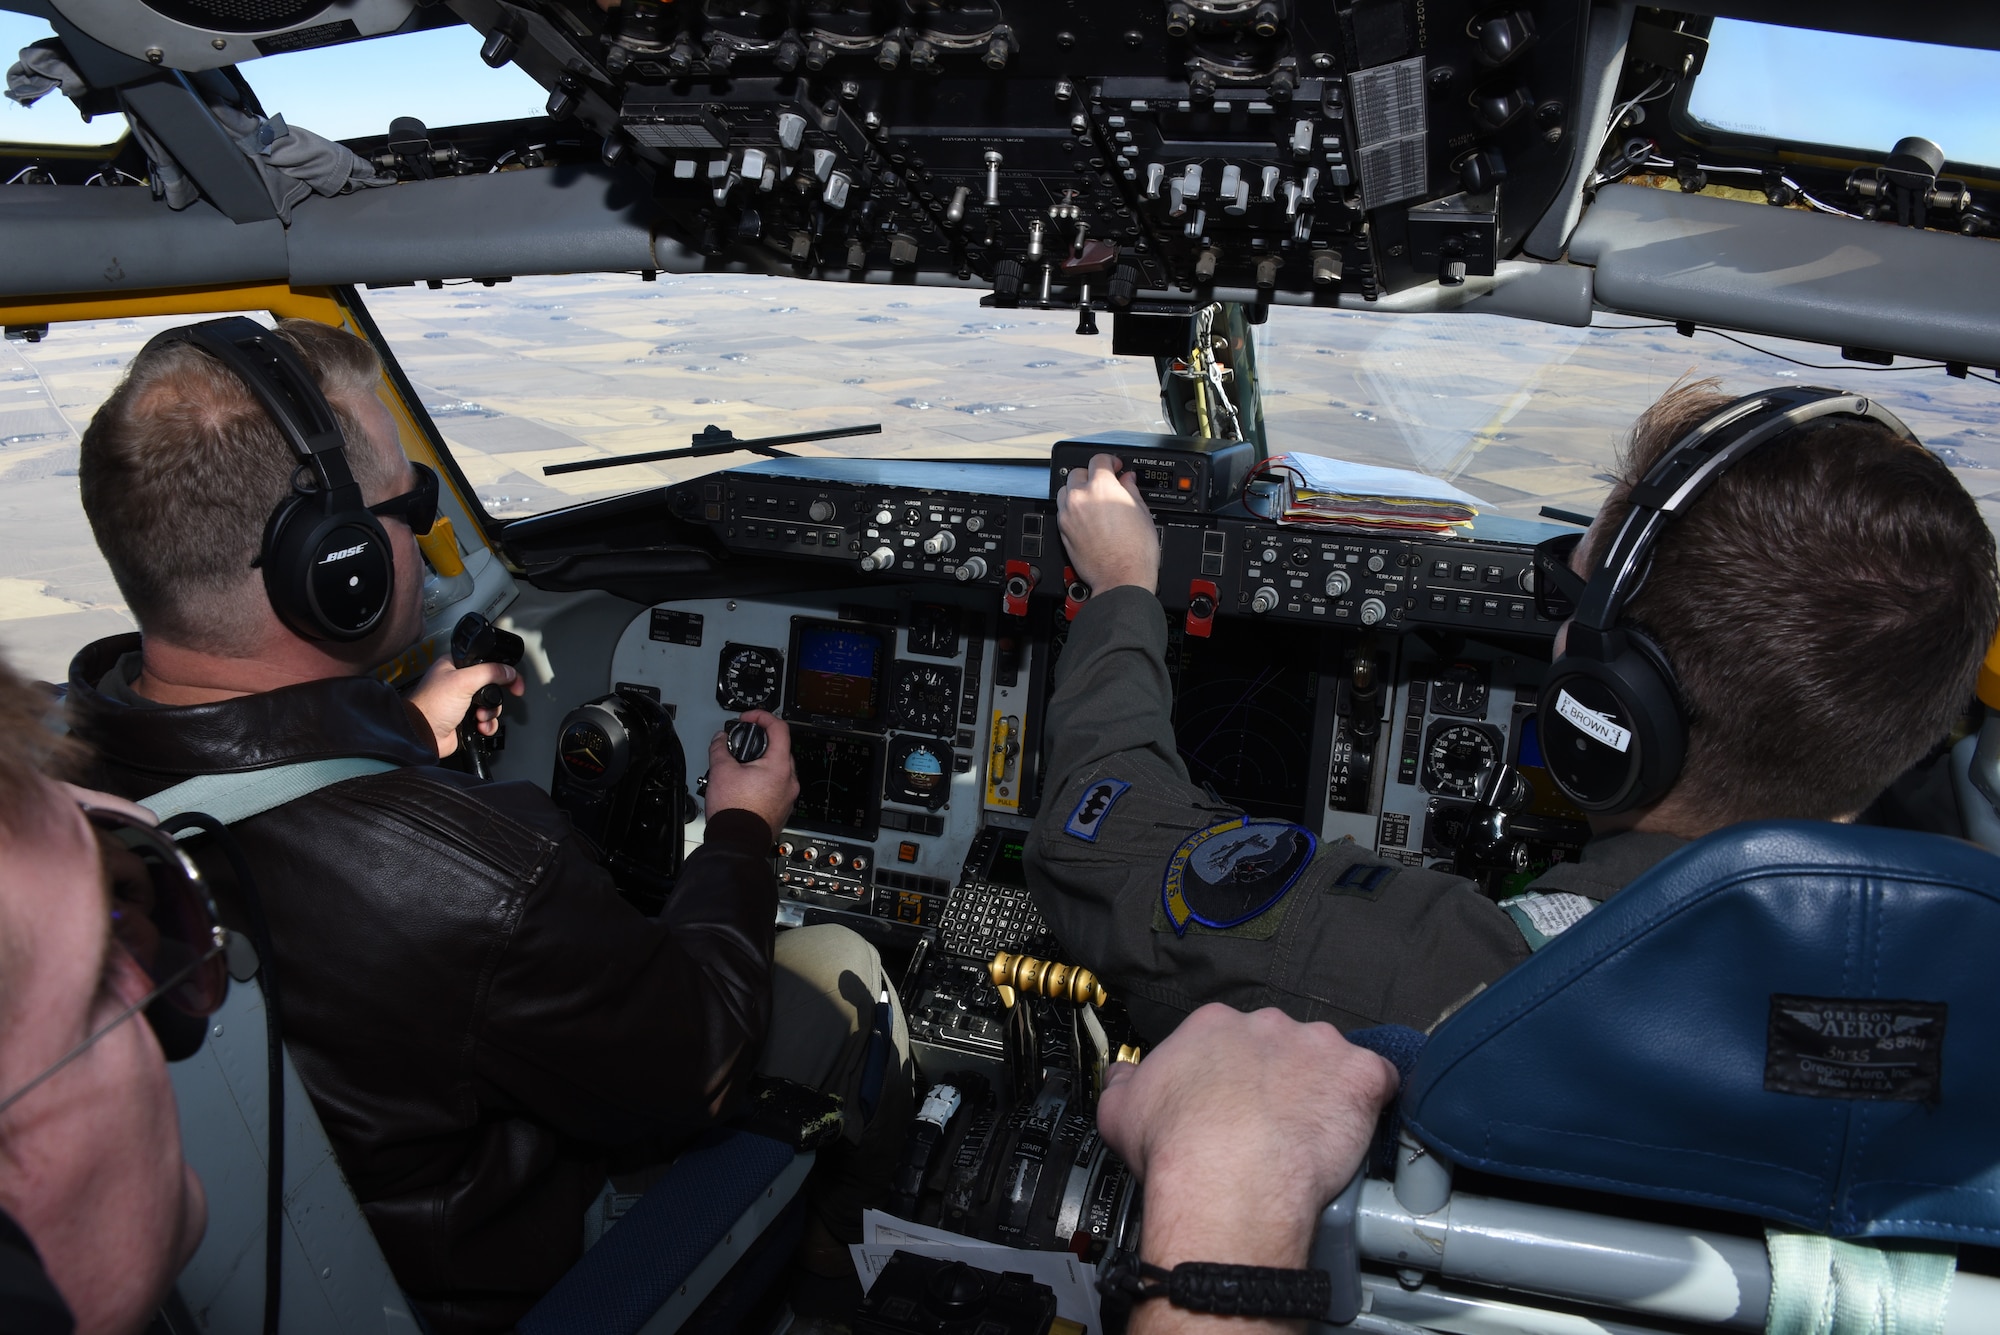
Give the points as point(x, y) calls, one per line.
point(477, 640)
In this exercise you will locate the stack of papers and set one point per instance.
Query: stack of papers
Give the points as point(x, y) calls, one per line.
point(1331, 493)
point(883, 1235)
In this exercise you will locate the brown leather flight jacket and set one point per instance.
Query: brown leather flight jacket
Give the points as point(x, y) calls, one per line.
point(480, 1019)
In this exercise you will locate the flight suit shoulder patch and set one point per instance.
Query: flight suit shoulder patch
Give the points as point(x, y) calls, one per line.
point(1234, 872)
point(1098, 798)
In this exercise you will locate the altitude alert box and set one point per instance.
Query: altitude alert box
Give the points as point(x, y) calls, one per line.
point(1191, 473)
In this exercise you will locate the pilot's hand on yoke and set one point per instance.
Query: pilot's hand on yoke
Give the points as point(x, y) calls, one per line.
point(1243, 1128)
point(445, 694)
point(1107, 529)
point(767, 786)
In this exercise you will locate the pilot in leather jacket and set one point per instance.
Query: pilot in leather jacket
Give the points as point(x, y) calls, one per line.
point(479, 1017)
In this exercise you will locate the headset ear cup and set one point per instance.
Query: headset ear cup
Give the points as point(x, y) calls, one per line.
point(329, 572)
point(1666, 717)
point(1613, 733)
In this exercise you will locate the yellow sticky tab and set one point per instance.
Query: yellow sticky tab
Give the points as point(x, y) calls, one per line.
point(1989, 677)
point(440, 548)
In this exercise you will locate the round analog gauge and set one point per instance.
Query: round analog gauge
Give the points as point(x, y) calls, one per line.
point(923, 772)
point(1460, 689)
point(586, 751)
point(1455, 755)
point(919, 772)
point(925, 698)
point(750, 677)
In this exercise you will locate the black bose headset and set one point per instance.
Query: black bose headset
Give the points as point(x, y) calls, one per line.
point(1613, 725)
point(327, 563)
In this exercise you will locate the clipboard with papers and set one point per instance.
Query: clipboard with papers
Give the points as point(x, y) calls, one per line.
point(1314, 491)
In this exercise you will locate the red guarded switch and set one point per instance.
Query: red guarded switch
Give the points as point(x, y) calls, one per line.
point(1202, 596)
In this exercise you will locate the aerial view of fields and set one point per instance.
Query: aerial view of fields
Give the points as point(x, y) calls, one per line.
point(545, 370)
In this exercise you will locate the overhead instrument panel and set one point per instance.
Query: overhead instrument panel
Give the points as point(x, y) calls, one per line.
point(1083, 156)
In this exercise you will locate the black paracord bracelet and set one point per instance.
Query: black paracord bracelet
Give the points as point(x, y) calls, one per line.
point(1223, 1290)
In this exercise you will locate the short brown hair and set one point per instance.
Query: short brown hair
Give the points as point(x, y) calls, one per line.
point(181, 469)
point(32, 750)
point(1825, 606)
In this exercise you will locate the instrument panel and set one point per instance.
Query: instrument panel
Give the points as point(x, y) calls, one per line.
point(1362, 685)
point(992, 528)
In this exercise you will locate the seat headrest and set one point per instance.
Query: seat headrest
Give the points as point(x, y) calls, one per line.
point(1790, 1019)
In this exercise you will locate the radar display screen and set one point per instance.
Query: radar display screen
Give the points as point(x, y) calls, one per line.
point(837, 674)
point(1006, 868)
point(839, 777)
point(1243, 717)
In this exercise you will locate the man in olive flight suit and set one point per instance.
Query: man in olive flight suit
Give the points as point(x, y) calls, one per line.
point(1129, 859)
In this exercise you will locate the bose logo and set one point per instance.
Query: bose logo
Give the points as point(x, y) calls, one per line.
point(343, 553)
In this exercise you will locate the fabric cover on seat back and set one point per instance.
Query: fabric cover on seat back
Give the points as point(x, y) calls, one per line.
point(1654, 1049)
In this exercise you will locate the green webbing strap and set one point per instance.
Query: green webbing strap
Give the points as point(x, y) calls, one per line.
point(234, 797)
point(1820, 1286)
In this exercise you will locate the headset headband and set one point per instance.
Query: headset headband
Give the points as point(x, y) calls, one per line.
point(272, 371)
point(1690, 466)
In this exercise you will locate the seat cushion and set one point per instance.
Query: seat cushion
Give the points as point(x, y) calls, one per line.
point(1794, 1020)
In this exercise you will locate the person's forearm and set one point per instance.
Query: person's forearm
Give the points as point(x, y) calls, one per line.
point(1111, 691)
point(1233, 1223)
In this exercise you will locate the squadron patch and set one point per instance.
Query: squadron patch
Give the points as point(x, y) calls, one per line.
point(1227, 874)
point(1093, 807)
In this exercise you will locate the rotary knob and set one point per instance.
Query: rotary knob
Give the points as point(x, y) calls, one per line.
point(820, 511)
point(973, 523)
point(1375, 563)
point(882, 558)
point(885, 517)
point(1373, 611)
point(937, 544)
point(1270, 553)
point(970, 569)
point(1337, 583)
point(1264, 599)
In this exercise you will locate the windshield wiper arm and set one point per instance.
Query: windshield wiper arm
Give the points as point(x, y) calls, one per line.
point(715, 440)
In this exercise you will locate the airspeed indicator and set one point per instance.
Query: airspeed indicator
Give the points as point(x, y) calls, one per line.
point(749, 677)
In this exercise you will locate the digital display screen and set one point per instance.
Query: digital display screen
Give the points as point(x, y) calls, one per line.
point(837, 673)
point(1243, 717)
point(838, 779)
point(1530, 751)
point(1006, 868)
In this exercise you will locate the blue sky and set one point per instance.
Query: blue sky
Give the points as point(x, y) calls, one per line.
point(1851, 92)
point(339, 91)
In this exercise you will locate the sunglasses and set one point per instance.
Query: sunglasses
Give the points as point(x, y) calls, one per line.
point(417, 507)
point(1558, 588)
point(163, 916)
